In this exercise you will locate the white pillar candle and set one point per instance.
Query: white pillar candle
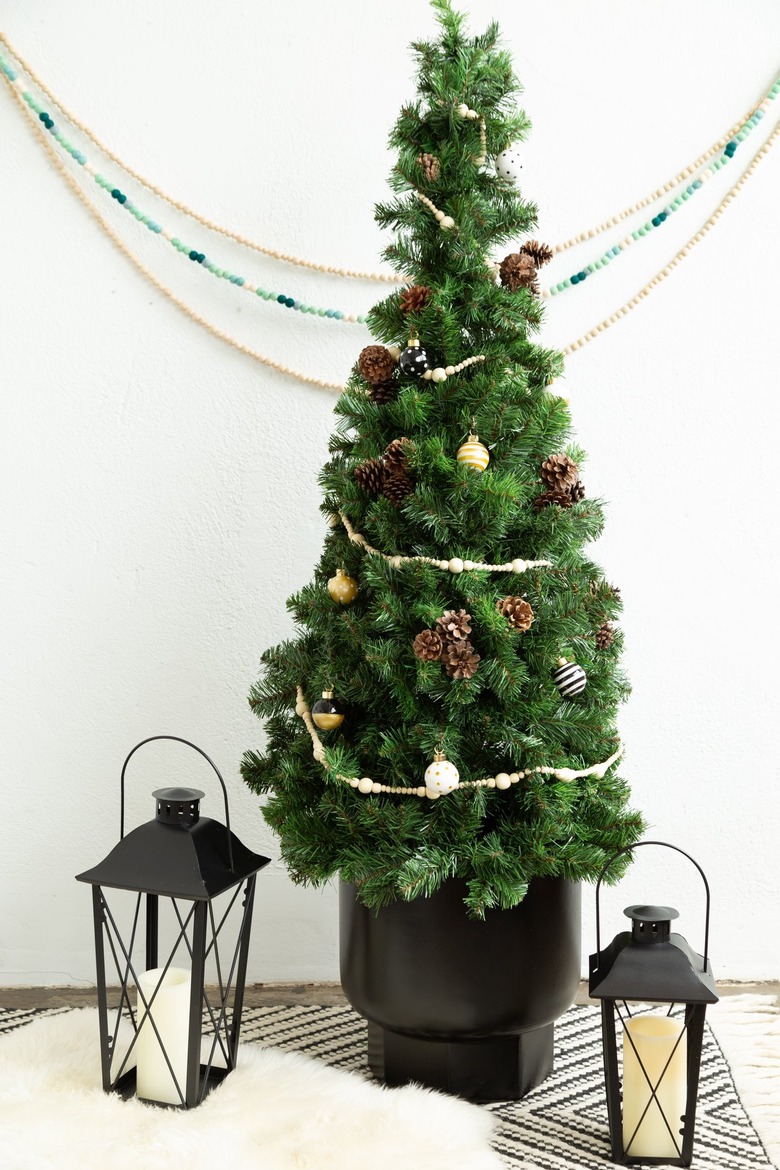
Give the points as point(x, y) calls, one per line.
point(655, 1038)
point(171, 1013)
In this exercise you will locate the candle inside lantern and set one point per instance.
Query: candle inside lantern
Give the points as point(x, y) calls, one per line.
point(170, 1012)
point(654, 1039)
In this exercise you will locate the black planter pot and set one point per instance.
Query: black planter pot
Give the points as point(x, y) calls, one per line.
point(462, 1005)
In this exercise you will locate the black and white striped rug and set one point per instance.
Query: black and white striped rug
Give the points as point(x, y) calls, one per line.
point(559, 1126)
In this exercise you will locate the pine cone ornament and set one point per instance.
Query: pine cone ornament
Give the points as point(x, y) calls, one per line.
point(383, 392)
point(577, 491)
point(605, 636)
point(415, 298)
point(562, 498)
point(376, 364)
point(518, 271)
point(431, 167)
point(396, 455)
point(539, 253)
point(428, 646)
point(454, 625)
point(370, 476)
point(517, 612)
point(397, 487)
point(461, 660)
point(559, 471)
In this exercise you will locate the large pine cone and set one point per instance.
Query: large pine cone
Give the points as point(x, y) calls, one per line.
point(460, 659)
point(382, 392)
point(539, 253)
point(428, 646)
point(517, 612)
point(370, 476)
point(397, 487)
point(563, 498)
point(415, 298)
point(518, 271)
point(431, 166)
point(396, 455)
point(605, 636)
point(454, 625)
point(559, 471)
point(376, 364)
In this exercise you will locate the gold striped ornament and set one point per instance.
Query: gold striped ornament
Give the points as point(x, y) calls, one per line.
point(474, 454)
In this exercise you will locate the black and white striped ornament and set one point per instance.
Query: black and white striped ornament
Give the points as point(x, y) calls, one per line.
point(569, 678)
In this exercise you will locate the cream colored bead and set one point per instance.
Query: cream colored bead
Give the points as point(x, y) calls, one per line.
point(319, 755)
point(428, 375)
point(514, 777)
point(395, 562)
point(462, 109)
point(375, 787)
point(491, 781)
point(468, 566)
point(519, 565)
point(300, 707)
point(455, 565)
point(439, 374)
point(472, 115)
point(354, 782)
point(447, 223)
point(444, 564)
point(394, 352)
point(420, 791)
point(365, 784)
point(565, 774)
point(503, 781)
point(439, 215)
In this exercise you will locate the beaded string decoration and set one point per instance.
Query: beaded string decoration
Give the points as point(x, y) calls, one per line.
point(15, 84)
point(673, 205)
point(157, 229)
point(388, 277)
point(452, 565)
point(502, 780)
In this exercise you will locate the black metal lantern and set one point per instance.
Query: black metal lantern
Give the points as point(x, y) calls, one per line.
point(179, 1038)
point(652, 1119)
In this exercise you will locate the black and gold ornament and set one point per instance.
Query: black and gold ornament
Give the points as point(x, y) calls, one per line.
point(413, 361)
point(569, 678)
point(327, 712)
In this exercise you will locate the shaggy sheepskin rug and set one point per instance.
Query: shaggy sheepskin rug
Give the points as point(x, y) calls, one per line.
point(276, 1111)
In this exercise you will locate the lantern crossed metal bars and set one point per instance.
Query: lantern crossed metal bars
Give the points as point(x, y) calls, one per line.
point(661, 1055)
point(176, 1042)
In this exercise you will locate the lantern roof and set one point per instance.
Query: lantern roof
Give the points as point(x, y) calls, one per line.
point(664, 971)
point(178, 860)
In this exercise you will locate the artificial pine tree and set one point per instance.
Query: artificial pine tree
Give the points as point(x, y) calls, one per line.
point(439, 464)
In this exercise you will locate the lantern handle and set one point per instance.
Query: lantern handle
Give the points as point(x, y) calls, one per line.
point(666, 845)
point(176, 739)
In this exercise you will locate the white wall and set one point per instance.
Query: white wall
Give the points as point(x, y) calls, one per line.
point(160, 499)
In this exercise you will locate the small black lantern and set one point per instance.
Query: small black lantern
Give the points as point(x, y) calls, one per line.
point(179, 1039)
point(652, 1119)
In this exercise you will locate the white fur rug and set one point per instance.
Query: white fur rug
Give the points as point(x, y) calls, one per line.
point(276, 1111)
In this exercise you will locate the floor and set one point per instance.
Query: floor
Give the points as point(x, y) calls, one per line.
point(263, 994)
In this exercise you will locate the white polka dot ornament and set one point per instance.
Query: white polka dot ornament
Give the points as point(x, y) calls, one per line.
point(509, 165)
point(342, 588)
point(569, 678)
point(440, 777)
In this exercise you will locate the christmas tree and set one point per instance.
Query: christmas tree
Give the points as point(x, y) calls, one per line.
point(448, 706)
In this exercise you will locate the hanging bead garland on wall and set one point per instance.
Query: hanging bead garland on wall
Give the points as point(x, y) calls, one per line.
point(17, 86)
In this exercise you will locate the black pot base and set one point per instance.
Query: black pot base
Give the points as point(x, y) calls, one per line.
point(497, 1068)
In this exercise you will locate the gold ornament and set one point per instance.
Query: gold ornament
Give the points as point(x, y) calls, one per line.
point(441, 776)
point(327, 713)
point(342, 588)
point(474, 454)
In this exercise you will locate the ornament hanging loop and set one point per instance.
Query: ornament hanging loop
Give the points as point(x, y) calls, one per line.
point(665, 845)
point(186, 742)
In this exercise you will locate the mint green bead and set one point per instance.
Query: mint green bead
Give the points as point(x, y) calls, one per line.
point(567, 282)
point(321, 312)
